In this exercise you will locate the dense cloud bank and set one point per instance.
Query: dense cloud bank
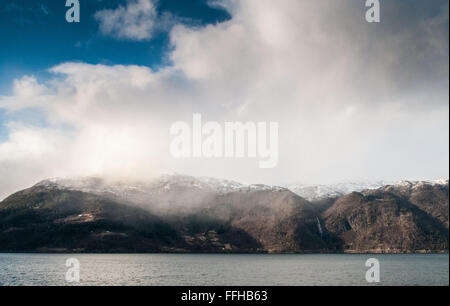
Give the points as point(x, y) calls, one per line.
point(353, 100)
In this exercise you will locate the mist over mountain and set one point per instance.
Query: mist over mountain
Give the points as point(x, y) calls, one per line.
point(188, 214)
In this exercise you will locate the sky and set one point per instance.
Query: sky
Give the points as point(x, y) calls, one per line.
point(354, 100)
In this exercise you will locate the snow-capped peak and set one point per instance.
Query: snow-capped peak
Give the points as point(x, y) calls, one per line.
point(176, 183)
point(318, 192)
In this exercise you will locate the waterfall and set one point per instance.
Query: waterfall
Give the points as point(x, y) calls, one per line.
point(319, 226)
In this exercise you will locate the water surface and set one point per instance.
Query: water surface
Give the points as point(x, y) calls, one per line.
point(227, 270)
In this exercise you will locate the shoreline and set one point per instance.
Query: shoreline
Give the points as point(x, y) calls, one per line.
point(445, 252)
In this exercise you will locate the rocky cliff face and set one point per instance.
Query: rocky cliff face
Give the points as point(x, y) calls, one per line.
point(184, 214)
point(431, 197)
point(379, 221)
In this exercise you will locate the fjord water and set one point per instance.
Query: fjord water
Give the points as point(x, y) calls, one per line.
point(212, 269)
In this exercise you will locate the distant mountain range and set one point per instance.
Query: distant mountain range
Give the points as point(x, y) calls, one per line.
point(187, 214)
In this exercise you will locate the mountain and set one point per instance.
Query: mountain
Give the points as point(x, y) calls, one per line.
point(429, 196)
point(188, 214)
point(172, 214)
point(51, 219)
point(410, 216)
point(279, 220)
point(321, 192)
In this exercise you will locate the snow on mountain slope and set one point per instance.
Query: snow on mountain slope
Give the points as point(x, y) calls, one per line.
point(162, 183)
point(180, 183)
point(318, 192)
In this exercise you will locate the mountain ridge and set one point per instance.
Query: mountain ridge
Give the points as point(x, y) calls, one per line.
point(188, 214)
point(310, 192)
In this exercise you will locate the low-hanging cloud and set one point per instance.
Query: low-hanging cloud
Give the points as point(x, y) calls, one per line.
point(354, 100)
point(136, 21)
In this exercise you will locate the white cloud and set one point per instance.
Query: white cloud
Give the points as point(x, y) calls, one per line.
point(135, 21)
point(354, 100)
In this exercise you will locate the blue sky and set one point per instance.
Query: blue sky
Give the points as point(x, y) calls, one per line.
point(35, 36)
